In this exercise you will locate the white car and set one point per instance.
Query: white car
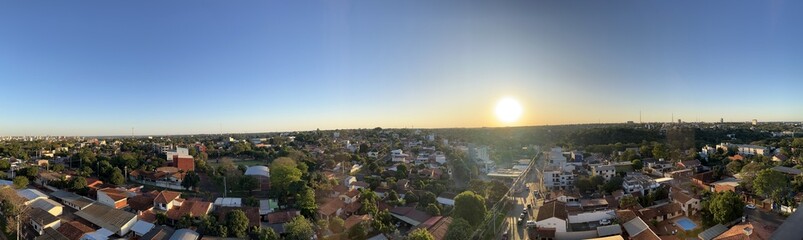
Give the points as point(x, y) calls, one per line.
point(604, 222)
point(750, 206)
point(530, 223)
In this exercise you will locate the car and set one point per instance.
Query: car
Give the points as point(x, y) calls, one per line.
point(604, 222)
point(750, 206)
point(521, 219)
point(525, 211)
point(530, 223)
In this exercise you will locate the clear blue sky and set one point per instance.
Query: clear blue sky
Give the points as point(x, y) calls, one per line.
point(175, 67)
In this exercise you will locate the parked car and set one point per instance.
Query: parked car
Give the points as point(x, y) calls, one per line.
point(604, 222)
point(530, 223)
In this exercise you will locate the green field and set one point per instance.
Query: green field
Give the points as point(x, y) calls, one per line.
point(237, 161)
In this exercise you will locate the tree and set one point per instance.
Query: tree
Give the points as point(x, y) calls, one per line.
point(337, 225)
point(12, 209)
point(283, 171)
point(401, 171)
point(58, 168)
point(420, 234)
point(237, 223)
point(459, 229)
point(614, 184)
point(299, 229)
point(383, 222)
point(191, 180)
point(725, 207)
point(20, 182)
point(267, 234)
point(117, 177)
point(427, 198)
point(433, 210)
point(78, 183)
point(637, 164)
point(734, 167)
point(584, 184)
point(184, 222)
point(306, 201)
point(358, 232)
point(627, 201)
point(248, 183)
point(4, 165)
point(769, 183)
point(470, 207)
point(660, 151)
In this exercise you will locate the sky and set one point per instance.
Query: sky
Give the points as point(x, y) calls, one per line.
point(197, 66)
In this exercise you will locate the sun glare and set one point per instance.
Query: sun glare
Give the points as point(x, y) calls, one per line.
point(508, 110)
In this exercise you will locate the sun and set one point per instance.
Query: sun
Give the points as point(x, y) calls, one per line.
point(508, 110)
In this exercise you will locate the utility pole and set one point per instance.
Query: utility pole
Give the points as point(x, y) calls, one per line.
point(224, 187)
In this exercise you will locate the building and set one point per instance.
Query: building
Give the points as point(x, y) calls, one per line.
point(552, 215)
point(166, 200)
point(555, 157)
point(40, 219)
point(117, 221)
point(113, 197)
point(178, 152)
point(689, 204)
point(637, 182)
point(186, 163)
point(31, 195)
point(73, 200)
point(745, 149)
point(50, 206)
point(410, 215)
point(74, 230)
point(558, 178)
point(636, 228)
point(606, 171)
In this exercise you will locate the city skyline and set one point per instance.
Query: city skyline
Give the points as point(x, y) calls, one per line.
point(204, 67)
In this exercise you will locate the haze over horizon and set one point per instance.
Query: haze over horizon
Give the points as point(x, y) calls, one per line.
point(189, 67)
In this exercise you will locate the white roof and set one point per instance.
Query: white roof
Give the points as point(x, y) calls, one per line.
point(228, 202)
point(185, 234)
point(635, 226)
point(100, 234)
point(258, 171)
point(46, 204)
point(142, 227)
point(31, 194)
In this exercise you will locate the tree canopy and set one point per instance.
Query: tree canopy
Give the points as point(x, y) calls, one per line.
point(299, 229)
point(470, 207)
point(237, 223)
point(459, 229)
point(420, 234)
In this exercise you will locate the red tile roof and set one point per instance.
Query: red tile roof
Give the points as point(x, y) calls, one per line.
point(282, 217)
point(331, 207)
point(74, 230)
point(191, 208)
point(166, 197)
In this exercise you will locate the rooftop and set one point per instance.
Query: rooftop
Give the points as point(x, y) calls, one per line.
point(106, 217)
point(550, 209)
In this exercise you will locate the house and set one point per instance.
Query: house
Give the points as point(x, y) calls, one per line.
point(661, 212)
point(409, 215)
point(228, 202)
point(159, 233)
point(348, 180)
point(113, 197)
point(402, 185)
point(606, 171)
point(713, 232)
point(50, 206)
point(332, 208)
point(276, 220)
point(689, 204)
point(702, 180)
point(780, 158)
point(743, 231)
point(727, 184)
point(262, 173)
point(114, 220)
point(74, 230)
point(166, 200)
point(353, 220)
point(359, 185)
point(552, 215)
point(40, 219)
point(350, 196)
point(73, 200)
point(44, 178)
point(193, 209)
point(636, 228)
point(690, 164)
point(594, 204)
point(142, 202)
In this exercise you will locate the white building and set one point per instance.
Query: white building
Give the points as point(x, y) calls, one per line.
point(637, 182)
point(552, 215)
point(746, 149)
point(178, 152)
point(50, 206)
point(558, 178)
point(556, 158)
point(606, 171)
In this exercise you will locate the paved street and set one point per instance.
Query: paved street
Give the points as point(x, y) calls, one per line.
point(515, 229)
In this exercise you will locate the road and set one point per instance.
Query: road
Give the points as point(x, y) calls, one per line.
point(518, 230)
